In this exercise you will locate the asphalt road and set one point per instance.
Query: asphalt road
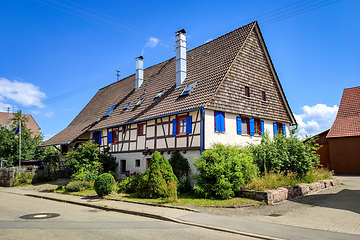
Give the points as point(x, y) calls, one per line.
point(77, 222)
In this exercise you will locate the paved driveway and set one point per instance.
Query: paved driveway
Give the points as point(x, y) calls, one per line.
point(336, 209)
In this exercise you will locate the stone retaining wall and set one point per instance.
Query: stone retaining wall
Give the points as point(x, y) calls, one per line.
point(285, 193)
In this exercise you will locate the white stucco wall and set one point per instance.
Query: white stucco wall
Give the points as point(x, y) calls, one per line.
point(230, 135)
point(131, 157)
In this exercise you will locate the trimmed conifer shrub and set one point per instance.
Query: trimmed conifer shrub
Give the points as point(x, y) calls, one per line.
point(104, 184)
point(181, 168)
point(159, 180)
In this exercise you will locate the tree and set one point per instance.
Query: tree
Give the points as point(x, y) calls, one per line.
point(9, 142)
point(159, 180)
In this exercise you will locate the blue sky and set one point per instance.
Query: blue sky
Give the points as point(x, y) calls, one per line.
point(56, 54)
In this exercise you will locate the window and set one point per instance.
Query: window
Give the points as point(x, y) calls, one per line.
point(97, 137)
point(257, 126)
point(126, 107)
point(247, 91)
point(140, 129)
point(219, 121)
point(245, 125)
point(137, 162)
point(115, 136)
point(123, 130)
point(110, 110)
point(279, 128)
point(188, 88)
point(159, 94)
point(182, 125)
point(140, 102)
point(249, 126)
point(263, 96)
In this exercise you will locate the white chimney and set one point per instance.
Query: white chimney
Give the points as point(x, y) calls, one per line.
point(139, 72)
point(180, 46)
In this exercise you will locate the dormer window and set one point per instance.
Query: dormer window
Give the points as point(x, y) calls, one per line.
point(188, 88)
point(110, 110)
point(159, 94)
point(140, 102)
point(126, 107)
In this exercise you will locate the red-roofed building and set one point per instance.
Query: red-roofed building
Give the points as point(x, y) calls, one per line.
point(344, 135)
point(31, 124)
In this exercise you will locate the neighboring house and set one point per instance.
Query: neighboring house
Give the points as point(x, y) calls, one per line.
point(344, 135)
point(225, 91)
point(31, 124)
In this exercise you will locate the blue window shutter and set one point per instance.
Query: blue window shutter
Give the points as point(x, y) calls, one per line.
point(284, 130)
point(238, 125)
point(217, 122)
point(93, 136)
point(174, 127)
point(222, 117)
point(100, 138)
point(252, 126)
point(275, 128)
point(109, 137)
point(262, 128)
point(188, 124)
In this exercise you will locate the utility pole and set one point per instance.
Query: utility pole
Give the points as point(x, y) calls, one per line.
point(118, 75)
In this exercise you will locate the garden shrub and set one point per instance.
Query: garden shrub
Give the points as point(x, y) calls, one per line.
point(158, 180)
point(77, 186)
point(285, 155)
point(181, 169)
point(224, 170)
point(129, 184)
point(104, 184)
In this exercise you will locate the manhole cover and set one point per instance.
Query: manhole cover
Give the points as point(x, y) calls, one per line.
point(40, 216)
point(273, 215)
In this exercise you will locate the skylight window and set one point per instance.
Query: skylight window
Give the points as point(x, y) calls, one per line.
point(127, 106)
point(110, 110)
point(140, 102)
point(188, 88)
point(159, 94)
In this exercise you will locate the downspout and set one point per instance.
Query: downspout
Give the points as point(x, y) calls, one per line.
point(202, 130)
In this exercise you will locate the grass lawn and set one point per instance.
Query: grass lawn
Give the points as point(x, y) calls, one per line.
point(188, 200)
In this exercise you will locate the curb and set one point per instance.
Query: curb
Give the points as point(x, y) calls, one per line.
point(150, 215)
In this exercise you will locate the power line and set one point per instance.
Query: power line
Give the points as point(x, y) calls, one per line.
point(129, 69)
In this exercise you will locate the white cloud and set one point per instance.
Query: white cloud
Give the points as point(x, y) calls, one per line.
point(49, 114)
point(152, 42)
point(23, 93)
point(48, 136)
point(315, 119)
point(4, 107)
point(210, 39)
point(320, 112)
point(35, 112)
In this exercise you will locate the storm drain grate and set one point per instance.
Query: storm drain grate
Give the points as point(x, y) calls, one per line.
point(273, 215)
point(40, 216)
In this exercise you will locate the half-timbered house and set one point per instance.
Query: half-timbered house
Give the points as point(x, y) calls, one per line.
point(224, 91)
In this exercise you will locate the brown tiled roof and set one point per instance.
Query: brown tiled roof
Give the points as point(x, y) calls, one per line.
point(31, 124)
point(207, 65)
point(347, 122)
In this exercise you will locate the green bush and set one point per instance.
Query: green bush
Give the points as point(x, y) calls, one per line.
point(285, 155)
point(224, 170)
point(158, 180)
point(181, 168)
point(85, 175)
point(23, 178)
point(104, 184)
point(77, 186)
point(129, 184)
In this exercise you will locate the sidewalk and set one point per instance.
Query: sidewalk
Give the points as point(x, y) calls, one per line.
point(302, 218)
